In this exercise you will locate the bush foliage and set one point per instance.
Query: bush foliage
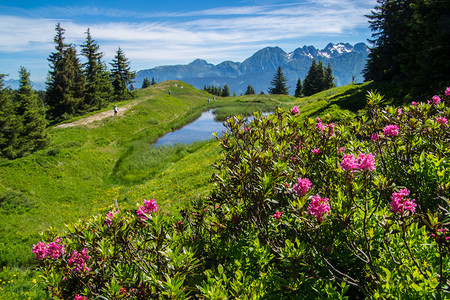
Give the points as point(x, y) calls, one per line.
point(300, 208)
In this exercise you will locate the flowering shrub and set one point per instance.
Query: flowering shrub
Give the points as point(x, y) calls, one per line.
point(299, 207)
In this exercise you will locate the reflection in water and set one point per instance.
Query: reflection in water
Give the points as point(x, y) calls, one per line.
point(201, 129)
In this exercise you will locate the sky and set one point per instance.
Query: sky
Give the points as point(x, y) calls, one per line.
point(168, 32)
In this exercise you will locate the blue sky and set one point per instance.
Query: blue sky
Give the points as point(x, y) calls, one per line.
point(155, 33)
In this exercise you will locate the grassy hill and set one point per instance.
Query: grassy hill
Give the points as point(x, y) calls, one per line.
point(87, 166)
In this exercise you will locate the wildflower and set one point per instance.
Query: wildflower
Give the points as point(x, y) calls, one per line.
point(374, 137)
point(399, 111)
point(349, 163)
point(277, 215)
point(442, 121)
point(55, 249)
point(366, 162)
point(316, 151)
point(320, 126)
point(390, 130)
point(400, 204)
point(302, 186)
point(109, 217)
point(78, 297)
point(447, 91)
point(436, 100)
point(341, 150)
point(295, 110)
point(414, 103)
point(146, 209)
point(40, 249)
point(318, 207)
point(79, 260)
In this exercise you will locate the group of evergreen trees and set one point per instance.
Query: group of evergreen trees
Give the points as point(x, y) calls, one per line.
point(318, 79)
point(217, 90)
point(74, 88)
point(22, 119)
point(410, 45)
point(146, 83)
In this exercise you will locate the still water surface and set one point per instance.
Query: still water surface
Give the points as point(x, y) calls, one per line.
point(201, 129)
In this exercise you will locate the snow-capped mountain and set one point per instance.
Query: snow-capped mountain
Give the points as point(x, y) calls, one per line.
point(258, 70)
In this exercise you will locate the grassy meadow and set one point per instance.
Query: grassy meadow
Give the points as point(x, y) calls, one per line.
point(86, 167)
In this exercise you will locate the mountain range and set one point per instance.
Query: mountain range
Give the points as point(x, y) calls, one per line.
point(259, 69)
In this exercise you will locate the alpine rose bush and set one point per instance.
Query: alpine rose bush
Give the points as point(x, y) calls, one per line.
point(319, 208)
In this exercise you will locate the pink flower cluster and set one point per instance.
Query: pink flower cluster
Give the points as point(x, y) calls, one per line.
point(319, 208)
point(302, 186)
point(323, 127)
point(441, 234)
point(401, 204)
point(447, 91)
point(109, 217)
point(390, 130)
point(315, 151)
point(277, 215)
point(362, 162)
point(295, 110)
point(78, 297)
point(442, 121)
point(78, 260)
point(52, 250)
point(146, 209)
point(435, 100)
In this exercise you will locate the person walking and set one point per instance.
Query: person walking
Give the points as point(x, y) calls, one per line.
point(115, 110)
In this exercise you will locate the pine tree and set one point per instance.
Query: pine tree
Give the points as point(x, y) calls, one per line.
point(30, 120)
point(153, 81)
point(121, 76)
point(250, 90)
point(98, 86)
point(329, 78)
point(8, 132)
point(226, 91)
point(146, 83)
point(299, 89)
point(314, 80)
point(65, 81)
point(278, 84)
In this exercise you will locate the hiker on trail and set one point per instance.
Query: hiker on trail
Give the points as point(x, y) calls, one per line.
point(169, 92)
point(208, 100)
point(115, 110)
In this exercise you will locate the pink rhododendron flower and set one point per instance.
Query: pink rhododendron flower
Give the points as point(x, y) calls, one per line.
point(79, 260)
point(442, 121)
point(295, 110)
point(390, 130)
point(447, 91)
point(146, 209)
point(399, 111)
point(52, 250)
point(400, 204)
point(302, 187)
point(320, 126)
point(414, 103)
point(316, 151)
point(374, 137)
point(277, 215)
point(78, 297)
point(341, 150)
point(349, 163)
point(436, 100)
point(366, 162)
point(318, 208)
point(109, 217)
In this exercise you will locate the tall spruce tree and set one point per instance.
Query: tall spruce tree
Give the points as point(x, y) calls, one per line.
point(121, 76)
point(226, 91)
point(299, 89)
point(8, 132)
point(278, 83)
point(153, 81)
point(250, 90)
point(65, 81)
point(329, 78)
point(146, 83)
point(314, 80)
point(30, 118)
point(98, 91)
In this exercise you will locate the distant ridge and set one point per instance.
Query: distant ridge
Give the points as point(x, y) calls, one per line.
point(258, 70)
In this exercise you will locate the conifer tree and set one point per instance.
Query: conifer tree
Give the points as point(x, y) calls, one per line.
point(8, 133)
point(65, 81)
point(299, 89)
point(314, 80)
point(121, 76)
point(153, 81)
point(250, 90)
point(226, 91)
point(329, 78)
point(278, 83)
point(30, 118)
point(146, 83)
point(98, 90)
